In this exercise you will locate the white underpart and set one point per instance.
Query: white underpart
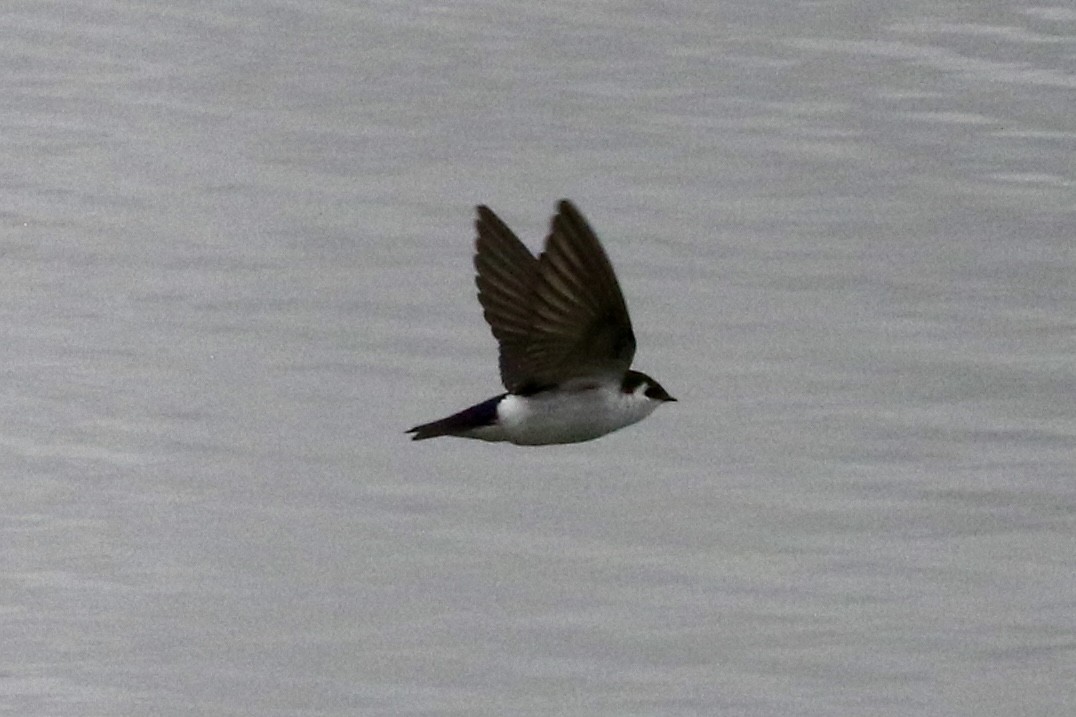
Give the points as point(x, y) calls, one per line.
point(567, 416)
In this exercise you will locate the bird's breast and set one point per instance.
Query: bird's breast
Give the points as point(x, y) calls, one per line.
point(559, 416)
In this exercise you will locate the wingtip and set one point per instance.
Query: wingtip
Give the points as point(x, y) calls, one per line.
point(484, 216)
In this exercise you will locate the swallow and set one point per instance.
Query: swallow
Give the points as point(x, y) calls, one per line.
point(565, 340)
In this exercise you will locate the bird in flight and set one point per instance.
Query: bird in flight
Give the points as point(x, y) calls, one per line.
point(565, 337)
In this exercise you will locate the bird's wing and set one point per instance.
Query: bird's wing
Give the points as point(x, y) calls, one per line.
point(507, 274)
point(581, 327)
point(558, 317)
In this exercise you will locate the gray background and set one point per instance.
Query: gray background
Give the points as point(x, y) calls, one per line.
point(236, 264)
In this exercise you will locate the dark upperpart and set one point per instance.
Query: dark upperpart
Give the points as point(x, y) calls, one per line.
point(633, 379)
point(481, 414)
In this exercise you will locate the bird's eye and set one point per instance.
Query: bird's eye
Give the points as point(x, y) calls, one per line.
point(657, 393)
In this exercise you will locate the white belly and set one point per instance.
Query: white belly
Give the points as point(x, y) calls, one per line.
point(555, 417)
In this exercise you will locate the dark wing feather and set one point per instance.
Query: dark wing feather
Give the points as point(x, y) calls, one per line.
point(559, 317)
point(581, 326)
point(507, 274)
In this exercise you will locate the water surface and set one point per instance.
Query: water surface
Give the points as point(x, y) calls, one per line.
point(236, 245)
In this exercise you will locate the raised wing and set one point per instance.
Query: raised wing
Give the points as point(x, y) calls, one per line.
point(559, 317)
point(581, 326)
point(507, 274)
